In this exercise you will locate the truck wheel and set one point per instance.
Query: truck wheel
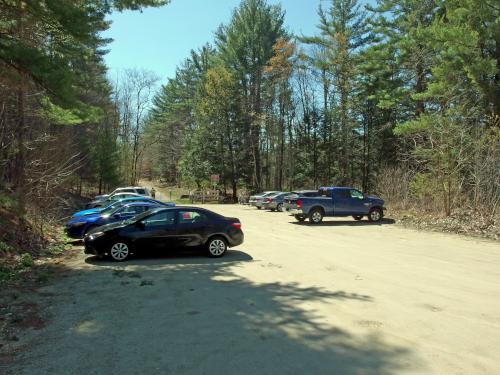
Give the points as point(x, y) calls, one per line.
point(299, 218)
point(356, 217)
point(375, 215)
point(316, 216)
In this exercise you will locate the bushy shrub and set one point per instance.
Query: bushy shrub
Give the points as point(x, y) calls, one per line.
point(26, 260)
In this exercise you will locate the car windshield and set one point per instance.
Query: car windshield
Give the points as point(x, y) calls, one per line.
point(118, 208)
point(269, 194)
point(111, 207)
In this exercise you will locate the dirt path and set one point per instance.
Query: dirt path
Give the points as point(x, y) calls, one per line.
point(344, 297)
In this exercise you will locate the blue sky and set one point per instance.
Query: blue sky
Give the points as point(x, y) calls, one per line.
point(158, 39)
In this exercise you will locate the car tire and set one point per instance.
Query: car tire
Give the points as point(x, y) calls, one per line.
point(299, 218)
point(279, 207)
point(316, 216)
point(216, 247)
point(357, 218)
point(375, 215)
point(273, 209)
point(259, 208)
point(119, 251)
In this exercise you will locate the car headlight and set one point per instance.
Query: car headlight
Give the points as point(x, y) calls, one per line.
point(93, 236)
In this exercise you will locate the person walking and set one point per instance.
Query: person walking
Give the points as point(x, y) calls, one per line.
point(153, 193)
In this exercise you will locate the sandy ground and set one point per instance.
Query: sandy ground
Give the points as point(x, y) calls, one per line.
point(343, 297)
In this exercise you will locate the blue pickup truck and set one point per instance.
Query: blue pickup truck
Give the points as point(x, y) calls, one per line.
point(337, 201)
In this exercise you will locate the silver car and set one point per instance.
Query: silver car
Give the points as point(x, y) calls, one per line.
point(294, 195)
point(257, 200)
point(275, 202)
point(129, 189)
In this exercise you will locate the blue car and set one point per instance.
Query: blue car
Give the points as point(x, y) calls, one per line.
point(77, 227)
point(120, 203)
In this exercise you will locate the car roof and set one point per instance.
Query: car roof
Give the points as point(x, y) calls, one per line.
point(335, 188)
point(182, 208)
point(140, 204)
point(137, 196)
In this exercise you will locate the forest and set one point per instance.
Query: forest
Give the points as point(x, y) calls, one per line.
point(400, 98)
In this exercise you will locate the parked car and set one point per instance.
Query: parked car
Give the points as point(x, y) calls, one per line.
point(111, 199)
point(257, 200)
point(294, 195)
point(129, 189)
point(163, 229)
point(119, 203)
point(337, 201)
point(274, 202)
point(77, 227)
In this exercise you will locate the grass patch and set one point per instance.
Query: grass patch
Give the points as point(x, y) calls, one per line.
point(5, 248)
point(25, 261)
point(8, 274)
point(7, 201)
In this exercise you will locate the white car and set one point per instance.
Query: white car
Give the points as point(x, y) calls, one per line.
point(129, 189)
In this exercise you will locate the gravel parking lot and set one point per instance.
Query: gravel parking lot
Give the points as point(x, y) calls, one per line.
point(343, 297)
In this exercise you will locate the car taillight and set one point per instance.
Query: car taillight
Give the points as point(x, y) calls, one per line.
point(268, 200)
point(236, 225)
point(299, 203)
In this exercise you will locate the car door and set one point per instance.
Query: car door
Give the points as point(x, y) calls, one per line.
point(157, 232)
point(193, 227)
point(358, 203)
point(342, 202)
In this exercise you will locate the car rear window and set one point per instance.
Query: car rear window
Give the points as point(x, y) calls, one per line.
point(141, 191)
point(343, 194)
point(310, 194)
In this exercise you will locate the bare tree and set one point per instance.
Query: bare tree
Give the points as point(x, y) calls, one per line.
point(134, 92)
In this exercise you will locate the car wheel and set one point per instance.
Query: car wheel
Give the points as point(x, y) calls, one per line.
point(375, 215)
point(216, 247)
point(259, 208)
point(119, 251)
point(316, 216)
point(279, 207)
point(299, 218)
point(358, 218)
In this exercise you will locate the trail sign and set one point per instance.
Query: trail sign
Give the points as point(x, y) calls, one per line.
point(215, 178)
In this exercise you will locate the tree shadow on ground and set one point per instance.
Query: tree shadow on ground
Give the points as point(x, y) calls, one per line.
point(350, 223)
point(190, 314)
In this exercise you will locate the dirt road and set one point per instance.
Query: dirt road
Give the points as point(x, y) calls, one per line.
point(344, 297)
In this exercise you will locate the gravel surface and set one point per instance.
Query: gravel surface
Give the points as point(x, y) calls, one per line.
point(343, 297)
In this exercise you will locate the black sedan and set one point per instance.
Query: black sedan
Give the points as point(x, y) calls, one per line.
point(163, 229)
